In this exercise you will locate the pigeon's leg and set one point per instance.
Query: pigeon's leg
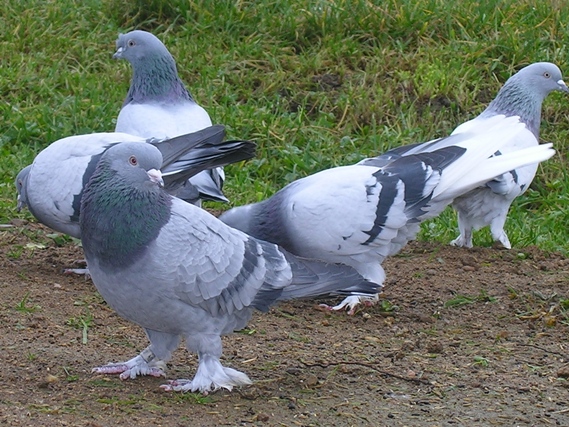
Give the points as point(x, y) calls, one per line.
point(352, 302)
point(464, 239)
point(211, 374)
point(151, 361)
point(79, 271)
point(498, 233)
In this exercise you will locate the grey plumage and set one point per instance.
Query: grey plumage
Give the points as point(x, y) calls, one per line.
point(177, 271)
point(358, 215)
point(159, 105)
point(51, 187)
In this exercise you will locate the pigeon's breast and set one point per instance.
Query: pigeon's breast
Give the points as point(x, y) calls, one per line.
point(161, 120)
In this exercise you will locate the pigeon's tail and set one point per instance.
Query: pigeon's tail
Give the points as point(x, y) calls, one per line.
point(187, 155)
point(210, 154)
point(478, 164)
point(203, 168)
point(312, 278)
point(177, 148)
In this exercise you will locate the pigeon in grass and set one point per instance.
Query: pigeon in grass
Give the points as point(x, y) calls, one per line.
point(159, 105)
point(360, 214)
point(52, 185)
point(522, 95)
point(178, 272)
point(21, 188)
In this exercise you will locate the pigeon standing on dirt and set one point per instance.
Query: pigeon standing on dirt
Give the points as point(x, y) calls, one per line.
point(522, 95)
point(51, 187)
point(159, 105)
point(177, 271)
point(360, 214)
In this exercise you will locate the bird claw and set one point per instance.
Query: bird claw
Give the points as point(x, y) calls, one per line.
point(78, 271)
point(133, 368)
point(179, 385)
point(352, 303)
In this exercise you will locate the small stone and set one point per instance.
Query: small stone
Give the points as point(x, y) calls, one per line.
point(51, 378)
point(470, 261)
point(435, 347)
point(17, 222)
point(311, 381)
point(262, 417)
point(469, 268)
point(563, 372)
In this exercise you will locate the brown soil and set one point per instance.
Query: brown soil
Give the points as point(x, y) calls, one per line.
point(418, 358)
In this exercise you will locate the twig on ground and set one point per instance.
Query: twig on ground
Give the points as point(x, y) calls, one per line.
point(564, 356)
point(367, 365)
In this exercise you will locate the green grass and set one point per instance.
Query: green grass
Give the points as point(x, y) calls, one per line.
point(315, 83)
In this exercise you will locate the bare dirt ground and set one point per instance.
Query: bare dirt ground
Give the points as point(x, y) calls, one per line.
point(460, 338)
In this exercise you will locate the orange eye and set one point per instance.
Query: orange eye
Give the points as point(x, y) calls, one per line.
point(132, 160)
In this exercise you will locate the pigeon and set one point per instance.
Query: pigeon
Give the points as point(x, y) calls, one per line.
point(360, 214)
point(522, 95)
point(159, 105)
point(21, 188)
point(177, 271)
point(52, 185)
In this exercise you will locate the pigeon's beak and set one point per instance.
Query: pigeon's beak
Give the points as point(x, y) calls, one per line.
point(118, 53)
point(19, 203)
point(156, 176)
point(562, 86)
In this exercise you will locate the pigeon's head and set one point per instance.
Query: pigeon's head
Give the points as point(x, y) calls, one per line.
point(21, 181)
point(136, 163)
point(140, 47)
point(542, 78)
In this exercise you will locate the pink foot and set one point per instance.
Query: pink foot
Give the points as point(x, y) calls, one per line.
point(135, 367)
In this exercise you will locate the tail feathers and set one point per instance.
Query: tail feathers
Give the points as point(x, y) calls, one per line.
point(489, 168)
point(480, 147)
point(204, 156)
point(176, 148)
point(312, 278)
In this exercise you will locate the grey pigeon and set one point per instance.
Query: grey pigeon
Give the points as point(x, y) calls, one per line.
point(159, 105)
point(360, 214)
point(52, 185)
point(177, 271)
point(21, 188)
point(522, 95)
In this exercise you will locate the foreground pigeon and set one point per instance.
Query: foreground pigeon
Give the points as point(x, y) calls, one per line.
point(159, 105)
point(360, 214)
point(522, 95)
point(52, 185)
point(177, 271)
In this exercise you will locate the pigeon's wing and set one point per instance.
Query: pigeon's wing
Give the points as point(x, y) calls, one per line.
point(212, 265)
point(462, 133)
point(58, 174)
point(344, 211)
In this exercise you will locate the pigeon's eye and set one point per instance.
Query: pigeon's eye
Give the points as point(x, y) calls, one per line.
point(546, 75)
point(132, 160)
point(131, 43)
